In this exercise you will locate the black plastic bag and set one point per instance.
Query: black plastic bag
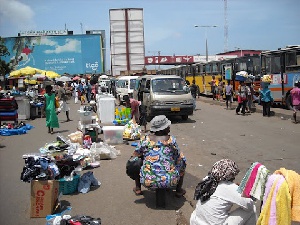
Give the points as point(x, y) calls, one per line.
point(133, 167)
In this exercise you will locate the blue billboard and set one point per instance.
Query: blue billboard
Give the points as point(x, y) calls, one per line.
point(73, 54)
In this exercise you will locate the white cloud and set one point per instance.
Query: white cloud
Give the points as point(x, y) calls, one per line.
point(17, 14)
point(71, 45)
point(48, 41)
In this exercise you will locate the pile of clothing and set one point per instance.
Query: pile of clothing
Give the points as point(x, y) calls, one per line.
point(8, 129)
point(39, 168)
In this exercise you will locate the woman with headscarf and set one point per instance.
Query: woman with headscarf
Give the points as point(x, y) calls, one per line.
point(216, 194)
point(163, 163)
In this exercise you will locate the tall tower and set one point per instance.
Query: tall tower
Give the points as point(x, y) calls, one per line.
point(225, 27)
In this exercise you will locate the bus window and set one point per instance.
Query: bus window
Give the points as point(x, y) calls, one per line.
point(207, 68)
point(292, 61)
point(275, 64)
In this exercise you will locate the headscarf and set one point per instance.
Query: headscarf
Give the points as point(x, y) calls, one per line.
point(223, 170)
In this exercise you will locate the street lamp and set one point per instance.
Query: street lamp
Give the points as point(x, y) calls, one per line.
point(206, 47)
point(241, 51)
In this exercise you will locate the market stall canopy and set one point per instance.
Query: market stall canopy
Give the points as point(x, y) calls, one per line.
point(63, 79)
point(51, 74)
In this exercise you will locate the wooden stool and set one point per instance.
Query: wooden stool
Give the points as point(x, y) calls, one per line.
point(160, 197)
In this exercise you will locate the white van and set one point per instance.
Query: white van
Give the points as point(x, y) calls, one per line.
point(125, 86)
point(166, 95)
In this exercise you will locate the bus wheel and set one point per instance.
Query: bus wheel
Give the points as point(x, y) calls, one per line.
point(185, 117)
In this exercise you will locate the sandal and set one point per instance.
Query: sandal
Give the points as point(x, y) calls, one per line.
point(137, 191)
point(180, 193)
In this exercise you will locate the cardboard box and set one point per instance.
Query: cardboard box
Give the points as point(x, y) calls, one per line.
point(44, 196)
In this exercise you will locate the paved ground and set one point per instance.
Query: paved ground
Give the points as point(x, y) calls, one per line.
point(275, 111)
point(210, 134)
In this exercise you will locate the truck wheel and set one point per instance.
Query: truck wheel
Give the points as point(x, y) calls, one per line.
point(185, 117)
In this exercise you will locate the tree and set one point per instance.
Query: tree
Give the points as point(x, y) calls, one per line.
point(4, 67)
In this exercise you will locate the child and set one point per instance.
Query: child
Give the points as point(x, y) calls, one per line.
point(82, 98)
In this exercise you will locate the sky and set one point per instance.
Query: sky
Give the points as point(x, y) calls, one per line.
point(169, 25)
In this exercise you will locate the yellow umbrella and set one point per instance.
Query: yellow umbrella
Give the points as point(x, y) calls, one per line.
point(28, 70)
point(15, 73)
point(30, 81)
point(51, 74)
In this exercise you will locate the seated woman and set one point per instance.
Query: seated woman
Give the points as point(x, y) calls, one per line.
point(163, 163)
point(216, 194)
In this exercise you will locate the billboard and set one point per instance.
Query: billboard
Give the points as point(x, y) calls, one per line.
point(127, 45)
point(73, 54)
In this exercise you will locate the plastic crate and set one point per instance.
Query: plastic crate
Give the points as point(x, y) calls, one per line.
point(68, 187)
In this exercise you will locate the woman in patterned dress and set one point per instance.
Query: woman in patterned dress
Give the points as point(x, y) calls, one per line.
point(163, 163)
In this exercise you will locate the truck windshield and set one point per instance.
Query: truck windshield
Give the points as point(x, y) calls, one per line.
point(168, 85)
point(122, 84)
point(132, 83)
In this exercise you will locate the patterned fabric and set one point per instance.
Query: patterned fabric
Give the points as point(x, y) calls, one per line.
point(205, 188)
point(224, 170)
point(163, 162)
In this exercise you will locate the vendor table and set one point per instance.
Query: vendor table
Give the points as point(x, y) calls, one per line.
point(36, 110)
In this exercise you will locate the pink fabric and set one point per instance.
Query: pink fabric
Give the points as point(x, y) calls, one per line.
point(295, 94)
point(251, 181)
point(272, 220)
point(268, 188)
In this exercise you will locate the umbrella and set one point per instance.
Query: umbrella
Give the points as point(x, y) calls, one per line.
point(15, 73)
point(51, 74)
point(28, 70)
point(38, 76)
point(242, 73)
point(25, 71)
point(27, 81)
point(103, 76)
point(63, 79)
point(76, 78)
